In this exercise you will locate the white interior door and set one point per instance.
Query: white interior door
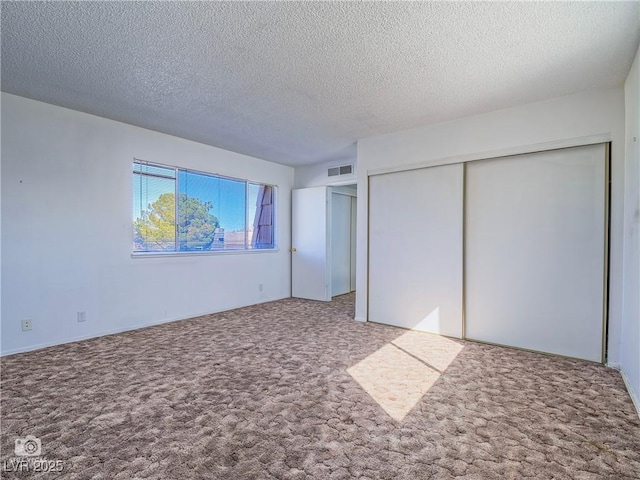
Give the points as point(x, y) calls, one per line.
point(309, 244)
point(340, 244)
point(415, 249)
point(535, 250)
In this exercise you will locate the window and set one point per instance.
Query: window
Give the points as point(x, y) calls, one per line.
point(179, 210)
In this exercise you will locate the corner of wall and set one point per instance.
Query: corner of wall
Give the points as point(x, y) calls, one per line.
point(635, 396)
point(630, 325)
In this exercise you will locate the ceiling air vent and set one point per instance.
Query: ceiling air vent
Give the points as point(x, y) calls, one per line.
point(341, 170)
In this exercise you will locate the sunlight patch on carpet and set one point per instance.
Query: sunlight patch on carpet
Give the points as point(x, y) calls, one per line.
point(397, 375)
point(436, 351)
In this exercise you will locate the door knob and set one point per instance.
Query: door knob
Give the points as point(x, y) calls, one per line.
point(293, 249)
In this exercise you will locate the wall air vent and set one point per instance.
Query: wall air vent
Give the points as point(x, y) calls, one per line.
point(341, 170)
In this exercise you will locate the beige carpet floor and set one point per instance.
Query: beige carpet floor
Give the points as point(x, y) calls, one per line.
point(295, 389)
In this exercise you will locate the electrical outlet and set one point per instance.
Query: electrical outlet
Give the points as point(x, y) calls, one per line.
point(260, 287)
point(82, 316)
point(26, 325)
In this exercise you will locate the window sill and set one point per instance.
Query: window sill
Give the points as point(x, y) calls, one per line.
point(206, 253)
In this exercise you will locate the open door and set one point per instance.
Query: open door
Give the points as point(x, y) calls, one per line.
point(310, 267)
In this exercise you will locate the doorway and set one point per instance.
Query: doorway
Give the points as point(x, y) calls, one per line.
point(323, 242)
point(343, 240)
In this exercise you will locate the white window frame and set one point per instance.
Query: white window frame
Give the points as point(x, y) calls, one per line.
point(190, 253)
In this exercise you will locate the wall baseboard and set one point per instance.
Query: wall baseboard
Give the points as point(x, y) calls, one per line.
point(31, 348)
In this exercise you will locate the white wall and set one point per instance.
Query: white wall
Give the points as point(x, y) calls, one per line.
point(316, 175)
point(67, 233)
point(630, 351)
point(566, 121)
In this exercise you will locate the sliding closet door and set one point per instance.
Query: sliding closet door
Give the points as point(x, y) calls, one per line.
point(535, 251)
point(415, 249)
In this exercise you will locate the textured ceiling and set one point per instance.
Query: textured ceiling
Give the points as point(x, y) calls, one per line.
point(300, 83)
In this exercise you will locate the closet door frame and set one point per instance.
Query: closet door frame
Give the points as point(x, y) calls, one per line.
point(464, 160)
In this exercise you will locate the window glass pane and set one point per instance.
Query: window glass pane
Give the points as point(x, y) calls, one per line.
point(211, 212)
point(153, 213)
point(252, 199)
point(263, 235)
point(232, 212)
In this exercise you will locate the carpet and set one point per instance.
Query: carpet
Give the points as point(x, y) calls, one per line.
point(296, 389)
